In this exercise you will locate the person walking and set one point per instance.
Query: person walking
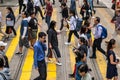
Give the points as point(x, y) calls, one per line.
point(39, 56)
point(4, 75)
point(112, 61)
point(48, 12)
point(33, 28)
point(38, 8)
point(20, 5)
point(64, 15)
point(53, 42)
point(72, 23)
point(73, 6)
point(10, 21)
point(1, 26)
point(23, 39)
point(97, 38)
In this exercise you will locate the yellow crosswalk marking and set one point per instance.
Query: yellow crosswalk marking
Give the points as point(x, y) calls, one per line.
point(13, 45)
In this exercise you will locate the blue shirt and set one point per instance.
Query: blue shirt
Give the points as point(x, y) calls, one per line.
point(39, 52)
point(77, 75)
point(73, 5)
point(98, 31)
point(24, 23)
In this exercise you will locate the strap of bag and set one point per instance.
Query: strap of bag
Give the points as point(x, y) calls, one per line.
point(3, 76)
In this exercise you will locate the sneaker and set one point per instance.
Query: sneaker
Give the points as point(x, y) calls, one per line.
point(18, 53)
point(71, 75)
point(59, 63)
point(67, 43)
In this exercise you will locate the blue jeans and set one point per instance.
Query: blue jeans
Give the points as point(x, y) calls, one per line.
point(47, 20)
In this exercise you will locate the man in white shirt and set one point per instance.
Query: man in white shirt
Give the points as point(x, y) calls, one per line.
point(37, 8)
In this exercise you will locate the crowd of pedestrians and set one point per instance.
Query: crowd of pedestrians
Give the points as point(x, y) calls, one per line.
point(28, 10)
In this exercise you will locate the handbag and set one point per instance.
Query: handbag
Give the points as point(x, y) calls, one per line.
point(10, 23)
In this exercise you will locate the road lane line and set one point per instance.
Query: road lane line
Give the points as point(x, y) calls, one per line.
point(12, 46)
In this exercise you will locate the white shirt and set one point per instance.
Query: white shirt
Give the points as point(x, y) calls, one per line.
point(25, 2)
point(36, 3)
point(0, 17)
point(72, 23)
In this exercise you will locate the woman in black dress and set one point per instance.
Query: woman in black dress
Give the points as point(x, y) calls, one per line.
point(112, 61)
point(53, 42)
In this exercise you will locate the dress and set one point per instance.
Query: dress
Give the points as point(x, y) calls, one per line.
point(111, 69)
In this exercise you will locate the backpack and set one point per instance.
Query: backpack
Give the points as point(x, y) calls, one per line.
point(104, 32)
point(78, 24)
point(3, 76)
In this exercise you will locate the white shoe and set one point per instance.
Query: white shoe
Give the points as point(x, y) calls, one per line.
point(67, 43)
point(59, 63)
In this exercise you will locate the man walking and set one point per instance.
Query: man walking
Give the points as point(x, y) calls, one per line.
point(39, 56)
point(97, 38)
point(37, 8)
point(23, 40)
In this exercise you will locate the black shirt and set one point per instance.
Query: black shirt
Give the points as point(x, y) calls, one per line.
point(65, 12)
point(52, 37)
point(33, 23)
point(84, 48)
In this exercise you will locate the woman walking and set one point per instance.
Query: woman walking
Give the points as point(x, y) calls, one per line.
point(10, 21)
point(53, 42)
point(72, 23)
point(112, 61)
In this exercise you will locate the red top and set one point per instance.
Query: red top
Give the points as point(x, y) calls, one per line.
point(49, 9)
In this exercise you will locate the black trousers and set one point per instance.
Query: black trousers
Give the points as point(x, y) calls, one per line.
point(20, 8)
point(42, 2)
point(42, 70)
point(97, 44)
point(37, 8)
point(70, 35)
point(61, 27)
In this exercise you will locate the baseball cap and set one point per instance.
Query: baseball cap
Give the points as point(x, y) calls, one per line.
point(2, 43)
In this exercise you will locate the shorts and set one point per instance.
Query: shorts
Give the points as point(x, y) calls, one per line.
point(24, 42)
point(88, 36)
point(34, 34)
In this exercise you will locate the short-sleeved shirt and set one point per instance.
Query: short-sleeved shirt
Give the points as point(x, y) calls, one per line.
point(33, 23)
point(24, 23)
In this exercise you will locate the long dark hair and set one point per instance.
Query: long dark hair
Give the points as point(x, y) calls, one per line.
point(83, 40)
point(52, 25)
point(83, 30)
point(73, 12)
point(110, 44)
point(11, 11)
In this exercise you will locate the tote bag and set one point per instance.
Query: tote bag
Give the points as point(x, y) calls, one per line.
point(10, 23)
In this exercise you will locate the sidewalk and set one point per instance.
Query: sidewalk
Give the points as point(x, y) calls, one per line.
point(12, 3)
